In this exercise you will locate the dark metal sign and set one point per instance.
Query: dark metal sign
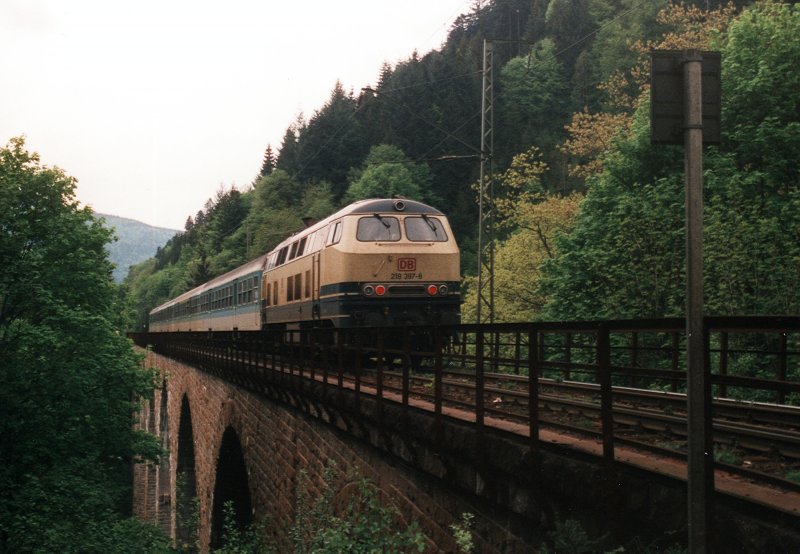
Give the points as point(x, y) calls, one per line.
point(667, 119)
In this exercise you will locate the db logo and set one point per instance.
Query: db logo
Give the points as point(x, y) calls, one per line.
point(406, 264)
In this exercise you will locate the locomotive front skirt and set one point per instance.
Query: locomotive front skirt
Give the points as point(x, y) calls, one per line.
point(380, 262)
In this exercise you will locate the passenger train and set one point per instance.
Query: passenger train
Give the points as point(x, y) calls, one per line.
point(379, 262)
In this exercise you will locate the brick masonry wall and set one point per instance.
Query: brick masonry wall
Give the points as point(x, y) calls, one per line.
point(277, 442)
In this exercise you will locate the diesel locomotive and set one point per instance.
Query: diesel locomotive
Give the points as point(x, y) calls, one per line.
point(378, 262)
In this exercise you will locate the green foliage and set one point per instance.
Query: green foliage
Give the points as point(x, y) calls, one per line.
point(793, 475)
point(363, 525)
point(386, 172)
point(533, 106)
point(462, 533)
point(727, 455)
point(569, 537)
point(68, 373)
point(238, 541)
point(624, 257)
point(761, 112)
point(331, 143)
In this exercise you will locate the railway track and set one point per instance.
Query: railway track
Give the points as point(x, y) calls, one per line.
point(760, 441)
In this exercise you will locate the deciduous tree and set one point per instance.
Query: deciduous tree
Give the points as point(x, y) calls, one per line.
point(68, 375)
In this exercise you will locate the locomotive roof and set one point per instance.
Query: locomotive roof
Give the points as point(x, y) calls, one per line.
point(387, 205)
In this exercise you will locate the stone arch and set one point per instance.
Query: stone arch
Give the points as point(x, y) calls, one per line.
point(164, 473)
point(231, 485)
point(186, 508)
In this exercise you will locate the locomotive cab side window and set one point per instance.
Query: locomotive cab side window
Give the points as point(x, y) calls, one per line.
point(319, 239)
point(378, 228)
point(335, 233)
point(425, 229)
point(282, 255)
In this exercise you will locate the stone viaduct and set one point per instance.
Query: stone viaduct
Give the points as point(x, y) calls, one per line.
point(247, 445)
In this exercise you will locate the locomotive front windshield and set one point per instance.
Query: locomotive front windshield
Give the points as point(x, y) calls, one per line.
point(378, 228)
point(425, 229)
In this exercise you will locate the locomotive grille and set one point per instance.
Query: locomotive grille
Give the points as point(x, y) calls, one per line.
point(407, 290)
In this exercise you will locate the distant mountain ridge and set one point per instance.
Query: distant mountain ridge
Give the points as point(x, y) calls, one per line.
point(136, 242)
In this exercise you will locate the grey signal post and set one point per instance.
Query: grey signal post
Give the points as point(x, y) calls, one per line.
point(677, 81)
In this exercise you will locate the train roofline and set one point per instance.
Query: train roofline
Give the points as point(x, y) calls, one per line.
point(369, 206)
point(249, 267)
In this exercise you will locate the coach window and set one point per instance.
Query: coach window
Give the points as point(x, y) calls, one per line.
point(425, 229)
point(378, 228)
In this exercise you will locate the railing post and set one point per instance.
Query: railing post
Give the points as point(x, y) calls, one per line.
point(479, 379)
point(437, 375)
point(340, 336)
point(782, 367)
point(313, 347)
point(406, 364)
point(675, 357)
point(633, 380)
point(533, 390)
point(273, 366)
point(606, 397)
point(567, 375)
point(359, 354)
point(379, 374)
point(723, 361)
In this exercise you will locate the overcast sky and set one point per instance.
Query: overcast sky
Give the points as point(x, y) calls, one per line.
point(153, 104)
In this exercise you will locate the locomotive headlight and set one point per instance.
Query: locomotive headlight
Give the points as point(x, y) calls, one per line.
point(368, 290)
point(442, 290)
point(433, 290)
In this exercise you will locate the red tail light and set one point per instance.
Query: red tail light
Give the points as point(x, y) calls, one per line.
point(380, 290)
point(433, 290)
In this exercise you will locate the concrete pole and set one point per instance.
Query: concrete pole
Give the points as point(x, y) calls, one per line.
point(701, 454)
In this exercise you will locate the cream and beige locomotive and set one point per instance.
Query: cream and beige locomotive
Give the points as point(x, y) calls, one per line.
point(380, 262)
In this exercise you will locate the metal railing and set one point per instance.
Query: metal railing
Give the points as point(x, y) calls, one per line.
point(593, 377)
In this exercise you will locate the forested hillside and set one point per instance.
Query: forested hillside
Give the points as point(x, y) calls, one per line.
point(590, 214)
